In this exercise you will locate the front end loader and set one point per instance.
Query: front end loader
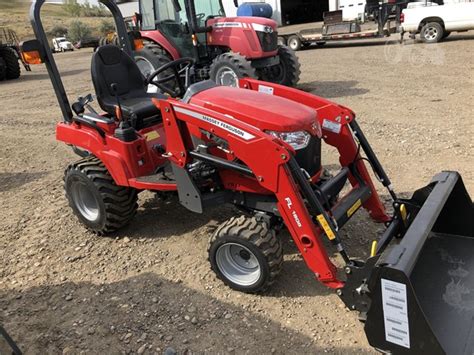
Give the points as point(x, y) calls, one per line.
point(258, 147)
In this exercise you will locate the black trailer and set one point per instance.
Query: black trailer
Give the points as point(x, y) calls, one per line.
point(386, 16)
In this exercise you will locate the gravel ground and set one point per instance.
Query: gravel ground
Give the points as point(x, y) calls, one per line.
point(149, 289)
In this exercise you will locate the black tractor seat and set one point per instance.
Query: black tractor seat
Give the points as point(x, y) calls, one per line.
point(111, 65)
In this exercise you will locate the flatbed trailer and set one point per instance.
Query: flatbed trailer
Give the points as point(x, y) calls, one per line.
point(387, 20)
point(306, 38)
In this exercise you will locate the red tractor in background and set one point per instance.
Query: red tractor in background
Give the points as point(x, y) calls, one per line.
point(224, 48)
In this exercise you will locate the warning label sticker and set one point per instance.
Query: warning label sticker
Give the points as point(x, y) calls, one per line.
point(331, 126)
point(395, 313)
point(265, 89)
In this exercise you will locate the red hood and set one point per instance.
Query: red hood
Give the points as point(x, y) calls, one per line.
point(264, 111)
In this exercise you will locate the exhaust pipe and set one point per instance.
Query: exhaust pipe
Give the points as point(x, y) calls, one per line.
point(420, 292)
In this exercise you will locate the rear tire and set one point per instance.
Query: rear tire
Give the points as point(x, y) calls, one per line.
point(101, 205)
point(150, 58)
point(294, 43)
point(3, 69)
point(228, 68)
point(287, 72)
point(246, 254)
point(13, 70)
point(432, 32)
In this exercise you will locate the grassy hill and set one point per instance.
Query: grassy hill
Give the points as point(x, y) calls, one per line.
point(15, 15)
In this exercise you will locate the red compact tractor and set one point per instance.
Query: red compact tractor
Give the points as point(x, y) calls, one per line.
point(258, 147)
point(224, 49)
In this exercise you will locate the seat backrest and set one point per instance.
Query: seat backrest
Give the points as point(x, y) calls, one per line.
point(112, 65)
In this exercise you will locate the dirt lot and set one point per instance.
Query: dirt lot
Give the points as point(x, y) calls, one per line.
point(149, 287)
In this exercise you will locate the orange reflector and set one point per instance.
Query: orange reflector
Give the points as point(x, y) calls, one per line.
point(195, 42)
point(118, 113)
point(138, 43)
point(32, 57)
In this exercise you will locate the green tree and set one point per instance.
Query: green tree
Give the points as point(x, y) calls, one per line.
point(78, 30)
point(58, 31)
point(73, 8)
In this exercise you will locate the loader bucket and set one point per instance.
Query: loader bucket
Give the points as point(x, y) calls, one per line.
point(422, 289)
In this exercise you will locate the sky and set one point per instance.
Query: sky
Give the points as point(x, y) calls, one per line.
point(92, 2)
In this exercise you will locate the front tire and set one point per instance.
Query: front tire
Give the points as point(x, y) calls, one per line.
point(287, 72)
point(432, 32)
point(246, 254)
point(101, 205)
point(228, 68)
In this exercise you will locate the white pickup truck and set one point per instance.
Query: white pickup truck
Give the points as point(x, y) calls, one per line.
point(435, 22)
point(61, 44)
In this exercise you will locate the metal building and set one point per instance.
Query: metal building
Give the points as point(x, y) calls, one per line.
point(291, 12)
point(285, 12)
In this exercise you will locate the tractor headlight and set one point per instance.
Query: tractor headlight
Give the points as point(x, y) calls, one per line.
point(298, 140)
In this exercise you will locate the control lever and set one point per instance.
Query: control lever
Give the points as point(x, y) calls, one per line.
point(118, 108)
point(124, 131)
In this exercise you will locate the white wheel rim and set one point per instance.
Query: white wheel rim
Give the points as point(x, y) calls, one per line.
point(85, 201)
point(238, 264)
point(431, 33)
point(146, 68)
point(227, 77)
point(293, 44)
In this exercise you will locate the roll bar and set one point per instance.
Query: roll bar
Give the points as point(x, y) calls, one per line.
point(36, 23)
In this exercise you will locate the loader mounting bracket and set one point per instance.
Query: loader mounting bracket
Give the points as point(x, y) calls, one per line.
point(356, 294)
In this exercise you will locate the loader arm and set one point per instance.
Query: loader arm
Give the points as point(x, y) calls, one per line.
point(336, 122)
point(274, 168)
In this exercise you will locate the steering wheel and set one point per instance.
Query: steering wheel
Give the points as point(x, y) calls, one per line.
point(178, 66)
point(200, 16)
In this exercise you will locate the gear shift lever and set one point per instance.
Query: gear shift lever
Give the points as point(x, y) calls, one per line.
point(124, 131)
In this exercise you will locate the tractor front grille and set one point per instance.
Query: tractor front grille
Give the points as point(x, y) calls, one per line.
point(309, 158)
point(268, 41)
